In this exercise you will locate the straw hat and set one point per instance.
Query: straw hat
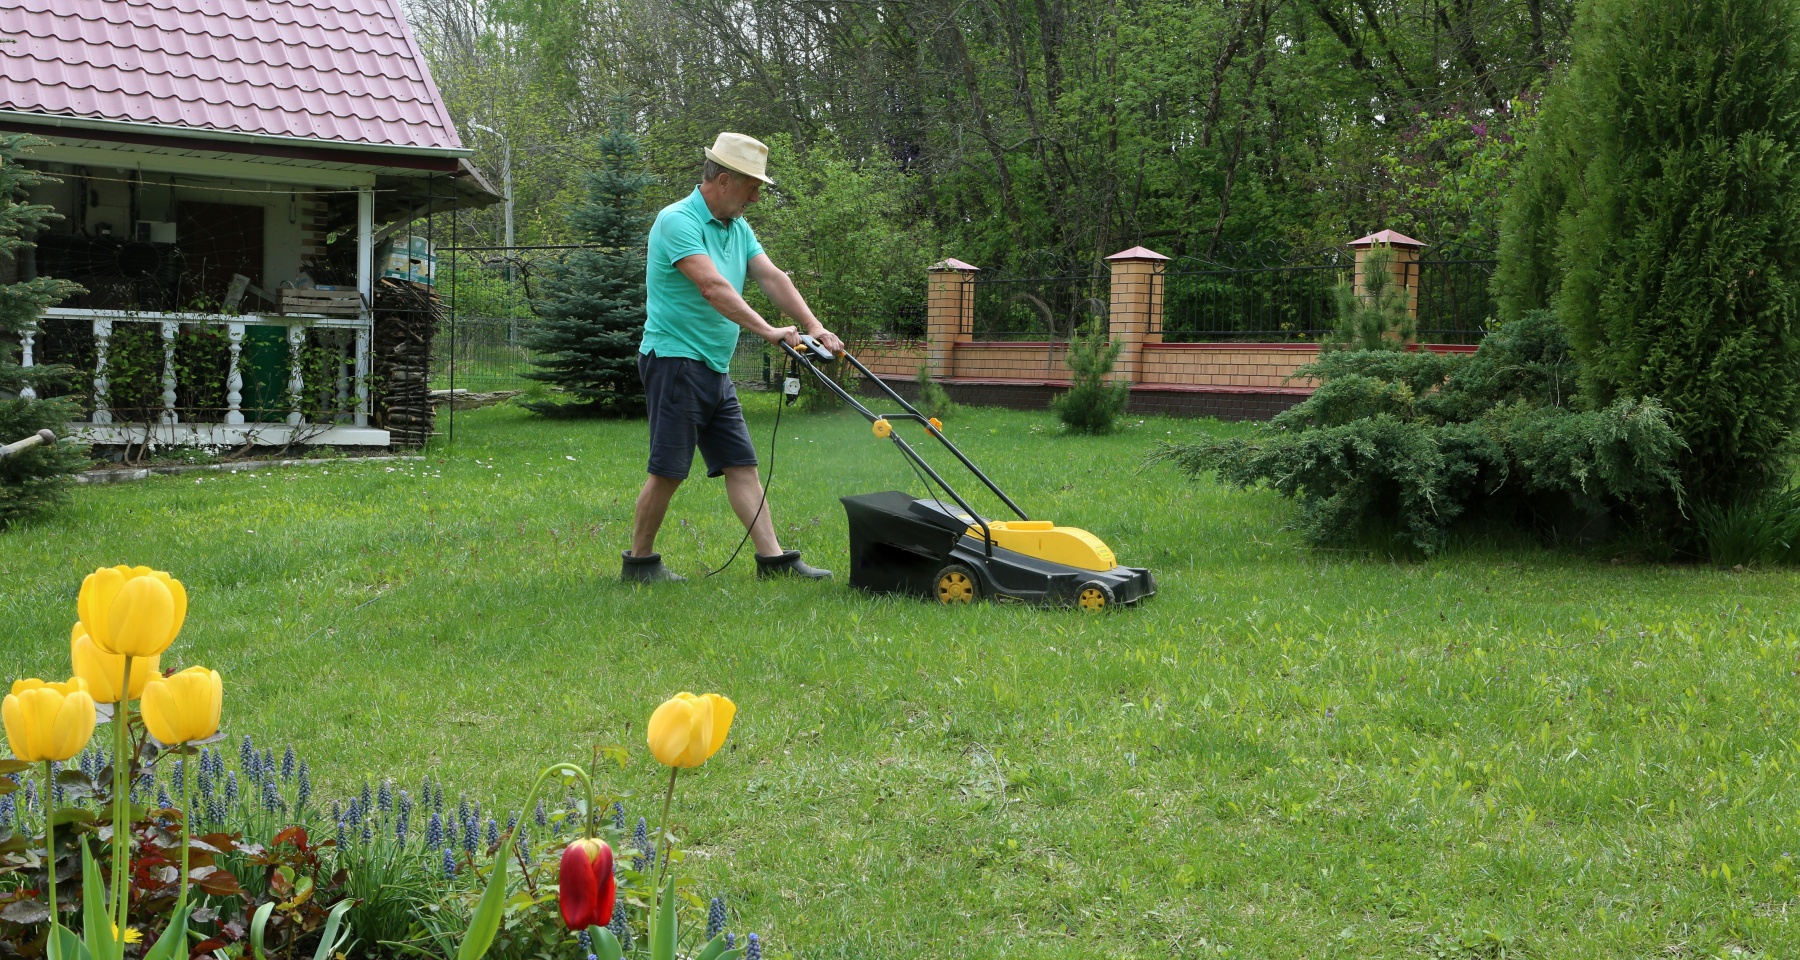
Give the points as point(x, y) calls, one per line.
point(746, 155)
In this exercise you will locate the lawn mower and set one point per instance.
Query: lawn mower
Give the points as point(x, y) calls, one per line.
point(949, 551)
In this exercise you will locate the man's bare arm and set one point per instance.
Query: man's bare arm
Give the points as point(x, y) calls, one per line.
point(725, 298)
point(780, 289)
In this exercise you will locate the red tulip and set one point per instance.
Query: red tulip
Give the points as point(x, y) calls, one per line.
point(586, 885)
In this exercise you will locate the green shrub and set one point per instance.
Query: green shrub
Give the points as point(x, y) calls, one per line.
point(1760, 530)
point(934, 400)
point(1405, 444)
point(1093, 403)
point(1377, 318)
point(1659, 213)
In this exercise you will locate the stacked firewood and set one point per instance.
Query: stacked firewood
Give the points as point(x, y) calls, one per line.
point(406, 315)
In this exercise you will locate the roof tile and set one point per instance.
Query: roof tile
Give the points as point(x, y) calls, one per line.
point(335, 70)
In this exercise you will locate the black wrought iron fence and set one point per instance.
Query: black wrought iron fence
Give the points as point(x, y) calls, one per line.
point(488, 295)
point(1299, 304)
point(1041, 308)
point(1455, 300)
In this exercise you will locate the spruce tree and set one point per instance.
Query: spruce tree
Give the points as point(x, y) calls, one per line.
point(38, 478)
point(1659, 214)
point(591, 315)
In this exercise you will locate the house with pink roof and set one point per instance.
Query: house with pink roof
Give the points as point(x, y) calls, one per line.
point(228, 170)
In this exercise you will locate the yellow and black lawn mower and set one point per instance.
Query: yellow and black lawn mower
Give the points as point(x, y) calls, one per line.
point(949, 551)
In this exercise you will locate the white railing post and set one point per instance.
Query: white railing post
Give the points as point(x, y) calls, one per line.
point(362, 376)
point(296, 382)
point(26, 342)
point(102, 336)
point(234, 378)
point(169, 329)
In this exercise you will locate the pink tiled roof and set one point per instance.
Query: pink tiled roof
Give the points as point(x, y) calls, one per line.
point(339, 71)
point(1388, 237)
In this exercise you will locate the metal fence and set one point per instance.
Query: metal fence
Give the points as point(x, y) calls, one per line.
point(1299, 304)
point(1042, 308)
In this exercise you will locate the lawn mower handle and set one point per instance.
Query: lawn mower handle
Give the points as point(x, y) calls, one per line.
point(811, 349)
point(18, 447)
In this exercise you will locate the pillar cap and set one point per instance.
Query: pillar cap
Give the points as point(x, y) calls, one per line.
point(952, 263)
point(1388, 238)
point(1137, 253)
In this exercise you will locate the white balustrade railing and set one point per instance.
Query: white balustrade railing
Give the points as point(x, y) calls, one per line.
point(350, 337)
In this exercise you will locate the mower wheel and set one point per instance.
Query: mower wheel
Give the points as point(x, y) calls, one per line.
point(1094, 596)
point(956, 583)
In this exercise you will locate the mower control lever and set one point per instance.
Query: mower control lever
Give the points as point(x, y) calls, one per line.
point(812, 343)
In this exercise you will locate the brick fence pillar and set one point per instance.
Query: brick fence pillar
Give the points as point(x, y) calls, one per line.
point(1135, 314)
point(949, 313)
point(1405, 266)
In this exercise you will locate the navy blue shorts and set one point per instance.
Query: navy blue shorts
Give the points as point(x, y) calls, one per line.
point(692, 405)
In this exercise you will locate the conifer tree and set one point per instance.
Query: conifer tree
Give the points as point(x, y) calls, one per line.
point(38, 478)
point(591, 314)
point(1659, 213)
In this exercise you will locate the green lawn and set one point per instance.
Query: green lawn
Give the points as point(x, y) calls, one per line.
point(1288, 753)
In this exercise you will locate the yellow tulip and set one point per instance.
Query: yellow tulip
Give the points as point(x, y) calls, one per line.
point(48, 721)
point(103, 670)
point(132, 611)
point(686, 730)
point(185, 707)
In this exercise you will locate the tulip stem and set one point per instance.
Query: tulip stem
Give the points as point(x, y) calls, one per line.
point(50, 843)
point(121, 838)
point(186, 833)
point(662, 860)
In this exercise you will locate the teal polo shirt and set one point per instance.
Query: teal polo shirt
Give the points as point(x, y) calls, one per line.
point(678, 322)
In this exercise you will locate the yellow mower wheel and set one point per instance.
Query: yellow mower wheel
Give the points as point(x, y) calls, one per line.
point(957, 584)
point(1093, 597)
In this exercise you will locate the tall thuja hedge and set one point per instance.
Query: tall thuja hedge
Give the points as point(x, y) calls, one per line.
point(37, 478)
point(592, 309)
point(1658, 213)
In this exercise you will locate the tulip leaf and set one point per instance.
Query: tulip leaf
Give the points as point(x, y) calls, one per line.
point(65, 945)
point(13, 766)
point(330, 940)
point(96, 925)
point(485, 924)
point(606, 946)
point(662, 936)
point(173, 942)
point(257, 923)
point(7, 786)
point(713, 950)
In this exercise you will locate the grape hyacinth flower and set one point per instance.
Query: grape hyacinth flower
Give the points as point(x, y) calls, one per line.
point(542, 818)
point(31, 796)
point(753, 948)
point(437, 796)
point(368, 831)
point(231, 786)
point(215, 809)
point(621, 930)
point(253, 769)
point(6, 811)
point(640, 841)
point(471, 836)
point(493, 832)
point(405, 806)
point(343, 835)
point(449, 865)
point(384, 797)
point(512, 823)
point(618, 816)
point(178, 773)
point(271, 798)
point(287, 763)
point(400, 831)
point(268, 763)
point(303, 792)
point(462, 808)
point(366, 798)
point(246, 754)
point(162, 798)
point(434, 832)
point(715, 919)
point(584, 941)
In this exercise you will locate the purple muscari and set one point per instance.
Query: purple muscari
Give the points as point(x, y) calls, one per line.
point(303, 792)
point(400, 831)
point(384, 797)
point(405, 806)
point(368, 830)
point(253, 769)
point(640, 841)
point(246, 755)
point(343, 836)
point(621, 930)
point(204, 781)
point(586, 942)
point(540, 817)
point(715, 919)
point(268, 762)
point(231, 787)
point(366, 797)
point(449, 865)
point(354, 813)
point(471, 836)
point(753, 948)
point(434, 832)
point(437, 795)
point(512, 822)
point(31, 796)
point(146, 781)
point(271, 797)
point(6, 810)
point(462, 808)
point(162, 798)
point(215, 809)
point(287, 763)
point(731, 941)
point(618, 816)
point(178, 773)
point(493, 832)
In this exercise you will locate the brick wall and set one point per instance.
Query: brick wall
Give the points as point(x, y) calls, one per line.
point(1260, 365)
point(893, 358)
point(1008, 361)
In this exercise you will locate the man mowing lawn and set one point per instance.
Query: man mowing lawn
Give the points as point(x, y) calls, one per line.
point(700, 252)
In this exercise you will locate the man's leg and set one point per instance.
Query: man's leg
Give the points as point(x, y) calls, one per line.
point(746, 493)
point(652, 506)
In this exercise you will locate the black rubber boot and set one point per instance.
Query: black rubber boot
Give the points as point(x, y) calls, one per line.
point(648, 569)
point(788, 564)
